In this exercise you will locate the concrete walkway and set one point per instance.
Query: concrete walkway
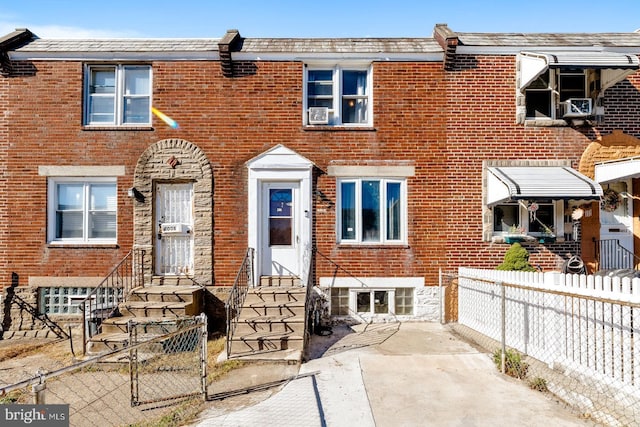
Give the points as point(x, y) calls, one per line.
point(409, 374)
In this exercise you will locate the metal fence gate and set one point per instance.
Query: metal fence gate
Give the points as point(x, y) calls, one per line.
point(168, 359)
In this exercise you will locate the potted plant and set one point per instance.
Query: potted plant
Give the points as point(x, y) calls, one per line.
point(548, 236)
point(515, 234)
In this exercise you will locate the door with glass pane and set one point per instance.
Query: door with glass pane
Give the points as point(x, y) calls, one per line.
point(174, 229)
point(617, 224)
point(280, 231)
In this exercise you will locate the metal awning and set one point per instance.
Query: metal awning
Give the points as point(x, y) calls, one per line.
point(614, 66)
point(617, 170)
point(511, 183)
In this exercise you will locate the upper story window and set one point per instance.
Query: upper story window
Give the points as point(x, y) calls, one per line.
point(118, 95)
point(372, 210)
point(338, 95)
point(559, 93)
point(81, 210)
point(568, 85)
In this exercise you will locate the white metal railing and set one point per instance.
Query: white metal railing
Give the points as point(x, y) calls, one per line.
point(611, 255)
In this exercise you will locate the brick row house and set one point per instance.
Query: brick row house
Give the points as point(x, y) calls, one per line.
point(385, 161)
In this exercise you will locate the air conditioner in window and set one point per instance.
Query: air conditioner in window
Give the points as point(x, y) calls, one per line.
point(577, 107)
point(318, 115)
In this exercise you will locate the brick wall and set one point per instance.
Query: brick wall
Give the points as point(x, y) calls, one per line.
point(231, 120)
point(481, 126)
point(445, 123)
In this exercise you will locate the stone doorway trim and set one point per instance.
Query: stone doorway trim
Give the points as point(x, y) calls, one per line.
point(175, 160)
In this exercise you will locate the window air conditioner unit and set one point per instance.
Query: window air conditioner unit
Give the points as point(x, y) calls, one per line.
point(318, 115)
point(577, 108)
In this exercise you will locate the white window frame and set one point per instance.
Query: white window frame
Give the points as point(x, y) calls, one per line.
point(383, 211)
point(391, 300)
point(335, 112)
point(524, 218)
point(353, 301)
point(388, 284)
point(555, 90)
point(119, 95)
point(52, 204)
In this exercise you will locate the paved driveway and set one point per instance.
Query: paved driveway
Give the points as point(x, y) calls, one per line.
point(399, 374)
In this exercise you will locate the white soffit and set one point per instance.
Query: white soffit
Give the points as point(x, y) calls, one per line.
point(512, 183)
point(617, 170)
point(615, 66)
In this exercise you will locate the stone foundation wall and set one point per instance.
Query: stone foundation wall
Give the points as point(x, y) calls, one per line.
point(17, 322)
point(426, 308)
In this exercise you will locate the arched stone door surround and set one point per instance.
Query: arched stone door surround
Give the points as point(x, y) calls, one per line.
point(175, 161)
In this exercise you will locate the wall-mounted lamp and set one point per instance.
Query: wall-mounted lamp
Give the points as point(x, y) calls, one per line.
point(135, 194)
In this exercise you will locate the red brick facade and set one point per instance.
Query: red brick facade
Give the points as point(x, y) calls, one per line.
point(444, 123)
point(232, 120)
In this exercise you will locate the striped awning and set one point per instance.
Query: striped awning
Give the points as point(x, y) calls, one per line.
point(614, 66)
point(511, 183)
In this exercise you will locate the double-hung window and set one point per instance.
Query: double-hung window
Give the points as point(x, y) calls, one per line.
point(338, 95)
point(118, 95)
point(82, 210)
point(372, 210)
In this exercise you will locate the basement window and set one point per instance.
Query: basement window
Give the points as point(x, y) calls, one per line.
point(66, 300)
point(397, 301)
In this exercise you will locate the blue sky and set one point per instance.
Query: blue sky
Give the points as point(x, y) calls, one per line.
point(319, 18)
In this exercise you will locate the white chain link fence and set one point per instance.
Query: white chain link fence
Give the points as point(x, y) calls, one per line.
point(575, 336)
point(155, 376)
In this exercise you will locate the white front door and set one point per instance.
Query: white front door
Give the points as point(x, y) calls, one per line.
point(174, 229)
point(617, 225)
point(280, 254)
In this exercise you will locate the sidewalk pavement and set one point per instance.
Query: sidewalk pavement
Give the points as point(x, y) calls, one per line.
point(397, 374)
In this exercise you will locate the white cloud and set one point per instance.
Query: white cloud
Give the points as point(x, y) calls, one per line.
point(63, 32)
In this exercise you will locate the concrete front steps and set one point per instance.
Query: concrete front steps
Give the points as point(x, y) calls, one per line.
point(271, 323)
point(154, 308)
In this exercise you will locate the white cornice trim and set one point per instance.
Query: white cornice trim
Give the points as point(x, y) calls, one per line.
point(114, 56)
point(513, 50)
point(333, 56)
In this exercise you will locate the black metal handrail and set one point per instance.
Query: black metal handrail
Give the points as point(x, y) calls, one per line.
point(611, 255)
point(33, 311)
point(104, 299)
point(308, 280)
point(244, 279)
